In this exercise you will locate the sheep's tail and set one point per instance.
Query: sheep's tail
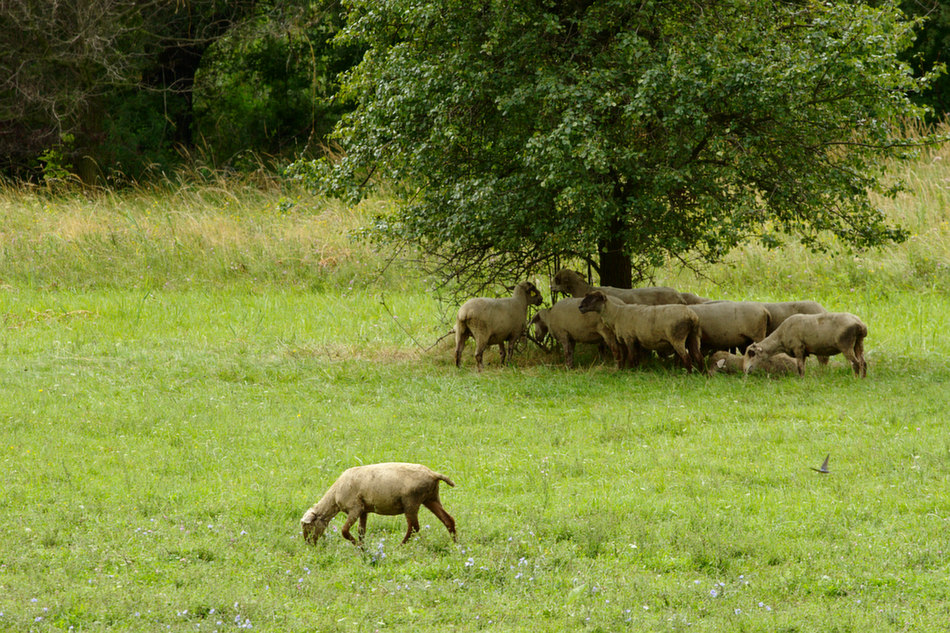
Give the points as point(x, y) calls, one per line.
point(445, 479)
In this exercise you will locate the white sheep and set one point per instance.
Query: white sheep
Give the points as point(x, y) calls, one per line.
point(820, 334)
point(568, 326)
point(494, 322)
point(728, 325)
point(781, 310)
point(388, 489)
point(662, 328)
point(572, 283)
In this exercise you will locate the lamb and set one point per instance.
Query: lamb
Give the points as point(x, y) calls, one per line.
point(728, 325)
point(659, 328)
point(572, 282)
point(494, 322)
point(820, 334)
point(729, 363)
point(388, 489)
point(568, 326)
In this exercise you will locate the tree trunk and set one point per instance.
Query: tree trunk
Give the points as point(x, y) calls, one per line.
point(615, 268)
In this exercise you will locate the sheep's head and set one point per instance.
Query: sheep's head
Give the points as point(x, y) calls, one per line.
point(540, 327)
point(593, 302)
point(564, 280)
point(754, 356)
point(313, 526)
point(531, 291)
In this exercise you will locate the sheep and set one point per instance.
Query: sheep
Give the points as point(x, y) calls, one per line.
point(659, 328)
point(690, 298)
point(568, 326)
point(572, 282)
point(494, 322)
point(729, 363)
point(388, 489)
point(781, 310)
point(728, 325)
point(820, 334)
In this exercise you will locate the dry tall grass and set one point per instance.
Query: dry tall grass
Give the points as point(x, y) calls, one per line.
point(216, 229)
point(174, 235)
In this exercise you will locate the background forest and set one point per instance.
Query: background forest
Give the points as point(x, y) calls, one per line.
point(119, 90)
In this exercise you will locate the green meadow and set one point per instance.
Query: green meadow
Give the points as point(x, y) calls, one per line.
point(185, 370)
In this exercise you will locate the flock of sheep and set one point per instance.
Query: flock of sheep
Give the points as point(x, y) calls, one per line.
point(775, 337)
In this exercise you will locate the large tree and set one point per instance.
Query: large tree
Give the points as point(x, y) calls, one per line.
point(623, 133)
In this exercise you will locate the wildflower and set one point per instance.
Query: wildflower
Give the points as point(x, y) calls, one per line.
point(470, 562)
point(713, 593)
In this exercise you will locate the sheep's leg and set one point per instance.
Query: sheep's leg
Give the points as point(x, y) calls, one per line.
point(857, 363)
point(461, 335)
point(695, 352)
point(435, 507)
point(479, 352)
point(633, 355)
point(859, 352)
point(362, 528)
point(351, 518)
point(503, 350)
point(569, 352)
point(680, 348)
point(412, 522)
point(800, 363)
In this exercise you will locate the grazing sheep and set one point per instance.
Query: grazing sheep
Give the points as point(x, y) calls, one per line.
point(729, 363)
point(662, 328)
point(568, 326)
point(389, 489)
point(781, 310)
point(820, 334)
point(728, 325)
point(494, 322)
point(572, 282)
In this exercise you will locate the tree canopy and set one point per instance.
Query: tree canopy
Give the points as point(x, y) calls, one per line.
point(621, 133)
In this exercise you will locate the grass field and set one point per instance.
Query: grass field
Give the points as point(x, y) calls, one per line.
point(184, 372)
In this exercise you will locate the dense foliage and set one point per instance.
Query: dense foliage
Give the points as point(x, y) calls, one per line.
point(621, 133)
point(119, 87)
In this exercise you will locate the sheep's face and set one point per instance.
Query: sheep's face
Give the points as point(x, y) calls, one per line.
point(532, 292)
point(754, 356)
point(313, 529)
point(593, 302)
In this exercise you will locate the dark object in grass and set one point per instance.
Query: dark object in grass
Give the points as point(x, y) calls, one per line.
point(388, 489)
point(824, 466)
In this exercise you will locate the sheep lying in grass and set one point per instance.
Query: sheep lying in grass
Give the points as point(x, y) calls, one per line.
point(661, 328)
point(729, 363)
point(572, 282)
point(494, 322)
point(820, 334)
point(388, 489)
point(728, 325)
point(568, 325)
